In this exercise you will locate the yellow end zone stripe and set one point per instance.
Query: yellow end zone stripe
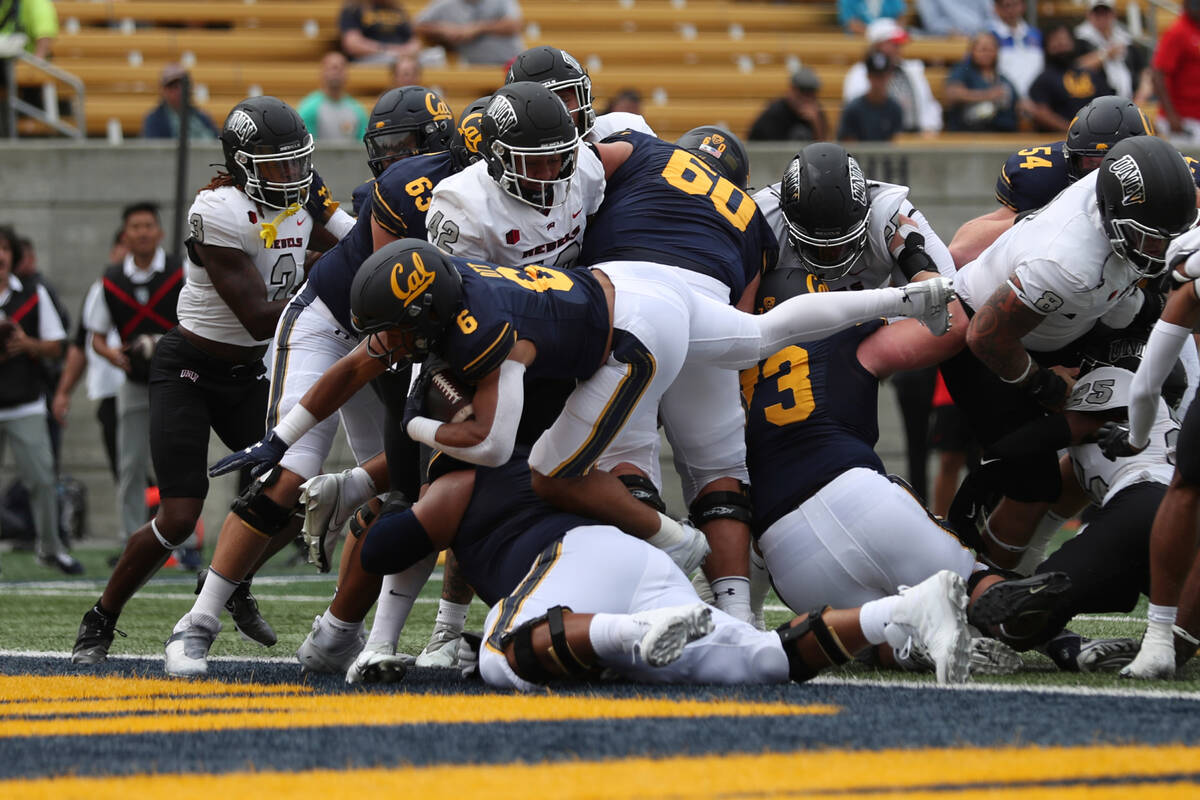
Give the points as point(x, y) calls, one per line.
point(39, 688)
point(156, 711)
point(941, 773)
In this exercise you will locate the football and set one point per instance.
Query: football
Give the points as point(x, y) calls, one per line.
point(141, 351)
point(448, 398)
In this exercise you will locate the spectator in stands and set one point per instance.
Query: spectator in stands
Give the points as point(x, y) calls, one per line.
point(1175, 71)
point(1020, 44)
point(855, 15)
point(329, 113)
point(978, 97)
point(954, 17)
point(31, 330)
point(37, 19)
point(163, 120)
point(627, 101)
point(795, 117)
point(1064, 86)
point(875, 116)
point(406, 71)
point(909, 87)
point(480, 31)
point(376, 30)
point(1105, 44)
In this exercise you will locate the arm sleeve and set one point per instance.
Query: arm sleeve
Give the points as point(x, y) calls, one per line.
point(497, 447)
point(1165, 343)
point(50, 327)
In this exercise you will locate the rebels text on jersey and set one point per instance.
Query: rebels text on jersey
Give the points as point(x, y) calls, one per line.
point(472, 217)
point(564, 314)
point(226, 217)
point(812, 415)
point(876, 268)
point(666, 206)
point(397, 200)
point(1067, 270)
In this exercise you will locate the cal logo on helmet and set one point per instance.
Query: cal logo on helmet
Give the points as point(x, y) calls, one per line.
point(471, 132)
point(418, 280)
point(437, 107)
point(714, 145)
point(1133, 188)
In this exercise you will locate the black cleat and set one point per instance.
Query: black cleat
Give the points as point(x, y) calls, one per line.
point(95, 637)
point(1075, 653)
point(247, 619)
point(1017, 602)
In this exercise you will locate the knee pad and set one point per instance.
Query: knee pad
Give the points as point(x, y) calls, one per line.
point(721, 505)
point(528, 667)
point(644, 489)
point(826, 640)
point(260, 513)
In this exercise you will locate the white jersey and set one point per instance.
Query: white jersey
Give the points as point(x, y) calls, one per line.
point(875, 268)
point(1186, 248)
point(472, 217)
point(226, 217)
point(1108, 387)
point(608, 124)
point(1066, 267)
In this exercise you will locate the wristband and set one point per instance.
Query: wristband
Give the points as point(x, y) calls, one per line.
point(1047, 388)
point(1020, 378)
point(295, 424)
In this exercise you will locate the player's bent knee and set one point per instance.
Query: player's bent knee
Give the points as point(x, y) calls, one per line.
point(558, 661)
point(721, 505)
point(258, 511)
point(810, 646)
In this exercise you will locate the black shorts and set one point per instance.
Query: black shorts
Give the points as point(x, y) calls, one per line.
point(192, 392)
point(950, 431)
point(1109, 560)
point(1187, 456)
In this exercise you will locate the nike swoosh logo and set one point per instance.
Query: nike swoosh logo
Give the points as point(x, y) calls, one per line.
point(984, 462)
point(577, 213)
point(1037, 589)
point(394, 593)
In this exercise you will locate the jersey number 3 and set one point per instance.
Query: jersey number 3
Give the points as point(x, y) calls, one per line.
point(793, 387)
point(691, 175)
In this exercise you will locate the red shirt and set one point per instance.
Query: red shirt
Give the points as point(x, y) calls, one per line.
point(1178, 58)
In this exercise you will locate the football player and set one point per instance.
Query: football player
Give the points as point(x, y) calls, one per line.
point(246, 249)
point(1041, 287)
point(1033, 176)
point(1174, 575)
point(850, 232)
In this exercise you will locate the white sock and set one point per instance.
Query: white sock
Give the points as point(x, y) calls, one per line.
point(339, 630)
point(874, 616)
point(732, 594)
point(1036, 551)
point(215, 594)
point(760, 582)
point(358, 488)
point(451, 616)
point(613, 635)
point(1164, 614)
point(396, 598)
point(1159, 633)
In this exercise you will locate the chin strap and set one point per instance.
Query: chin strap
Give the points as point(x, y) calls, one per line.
point(271, 229)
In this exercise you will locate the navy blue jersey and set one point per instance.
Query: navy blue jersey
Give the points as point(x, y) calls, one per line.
point(397, 200)
point(813, 414)
point(504, 529)
point(564, 314)
point(1030, 178)
point(667, 206)
point(360, 198)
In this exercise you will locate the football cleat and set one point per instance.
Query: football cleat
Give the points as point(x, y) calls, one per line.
point(993, 657)
point(187, 648)
point(1014, 602)
point(322, 651)
point(689, 554)
point(325, 515)
point(442, 650)
point(666, 631)
point(1155, 659)
point(95, 637)
point(64, 562)
point(378, 663)
point(929, 301)
point(247, 620)
point(934, 614)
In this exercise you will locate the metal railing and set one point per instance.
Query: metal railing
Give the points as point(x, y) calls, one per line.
point(12, 49)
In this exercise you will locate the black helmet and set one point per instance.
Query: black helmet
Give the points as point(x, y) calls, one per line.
point(530, 144)
point(1097, 127)
point(1146, 197)
point(559, 72)
point(408, 285)
point(721, 150)
point(468, 134)
point(268, 151)
point(826, 207)
point(406, 121)
point(778, 285)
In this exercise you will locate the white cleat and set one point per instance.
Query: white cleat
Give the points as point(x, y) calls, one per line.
point(187, 648)
point(442, 650)
point(689, 554)
point(934, 613)
point(1155, 661)
point(669, 630)
point(929, 301)
point(325, 515)
point(993, 657)
point(379, 663)
point(322, 652)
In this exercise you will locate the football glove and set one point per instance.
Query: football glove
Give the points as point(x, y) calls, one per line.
point(1113, 438)
point(414, 406)
point(259, 457)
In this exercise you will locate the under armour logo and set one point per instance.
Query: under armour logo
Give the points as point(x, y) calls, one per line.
point(730, 592)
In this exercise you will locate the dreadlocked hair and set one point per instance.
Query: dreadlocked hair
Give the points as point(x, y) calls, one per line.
point(221, 179)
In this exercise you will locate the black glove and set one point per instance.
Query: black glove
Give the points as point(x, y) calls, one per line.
point(913, 258)
point(1048, 389)
point(320, 204)
point(1113, 438)
point(414, 406)
point(259, 457)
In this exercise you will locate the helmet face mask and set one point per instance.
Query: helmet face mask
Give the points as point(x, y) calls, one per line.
point(829, 258)
point(1142, 246)
point(826, 206)
point(576, 95)
point(530, 144)
point(406, 121)
point(268, 151)
point(539, 176)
